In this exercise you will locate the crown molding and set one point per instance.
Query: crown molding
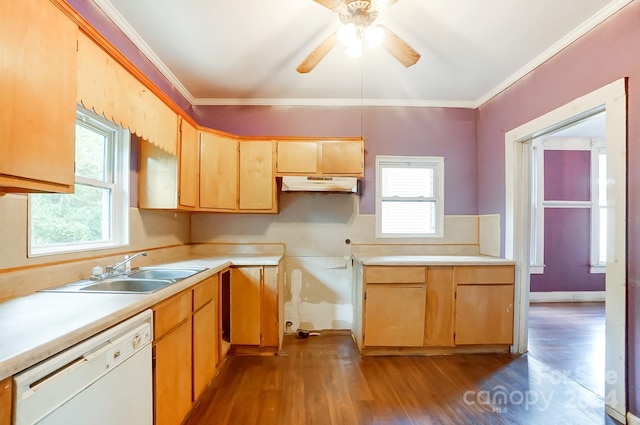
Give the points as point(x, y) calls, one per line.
point(127, 29)
point(333, 102)
point(564, 42)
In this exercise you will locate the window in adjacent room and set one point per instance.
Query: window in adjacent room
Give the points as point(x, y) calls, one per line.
point(97, 214)
point(409, 196)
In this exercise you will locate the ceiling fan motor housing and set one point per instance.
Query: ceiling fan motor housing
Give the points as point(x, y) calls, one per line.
point(361, 13)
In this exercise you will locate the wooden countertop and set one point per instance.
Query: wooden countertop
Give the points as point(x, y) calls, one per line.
point(432, 260)
point(37, 326)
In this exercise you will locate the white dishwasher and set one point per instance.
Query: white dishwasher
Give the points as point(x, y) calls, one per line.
point(105, 380)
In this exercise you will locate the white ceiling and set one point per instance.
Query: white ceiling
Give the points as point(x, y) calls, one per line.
point(247, 51)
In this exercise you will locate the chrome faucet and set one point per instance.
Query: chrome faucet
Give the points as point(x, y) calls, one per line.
point(111, 270)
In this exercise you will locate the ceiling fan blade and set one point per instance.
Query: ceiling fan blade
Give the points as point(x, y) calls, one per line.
point(388, 3)
point(318, 54)
point(334, 5)
point(399, 48)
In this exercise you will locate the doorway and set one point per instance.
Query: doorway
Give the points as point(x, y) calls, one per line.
point(568, 251)
point(612, 99)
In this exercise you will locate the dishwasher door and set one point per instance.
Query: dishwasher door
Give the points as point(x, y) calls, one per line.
point(105, 380)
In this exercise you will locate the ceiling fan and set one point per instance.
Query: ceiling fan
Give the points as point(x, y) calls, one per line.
point(357, 18)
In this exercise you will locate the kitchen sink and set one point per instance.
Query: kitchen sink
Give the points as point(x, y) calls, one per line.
point(162, 273)
point(126, 284)
point(143, 280)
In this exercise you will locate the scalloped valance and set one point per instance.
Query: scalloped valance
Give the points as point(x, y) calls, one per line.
point(110, 90)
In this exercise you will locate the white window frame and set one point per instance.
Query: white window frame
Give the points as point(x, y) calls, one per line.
point(119, 168)
point(538, 204)
point(434, 162)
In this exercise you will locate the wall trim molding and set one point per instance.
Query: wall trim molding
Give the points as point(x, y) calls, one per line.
point(567, 296)
point(632, 419)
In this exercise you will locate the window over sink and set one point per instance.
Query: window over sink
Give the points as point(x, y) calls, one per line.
point(96, 215)
point(409, 196)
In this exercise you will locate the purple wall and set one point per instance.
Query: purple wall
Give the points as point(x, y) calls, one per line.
point(567, 231)
point(607, 53)
point(567, 175)
point(447, 132)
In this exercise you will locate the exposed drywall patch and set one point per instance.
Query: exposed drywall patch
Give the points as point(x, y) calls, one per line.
point(318, 293)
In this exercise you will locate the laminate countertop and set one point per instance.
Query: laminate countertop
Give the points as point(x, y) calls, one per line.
point(37, 326)
point(432, 260)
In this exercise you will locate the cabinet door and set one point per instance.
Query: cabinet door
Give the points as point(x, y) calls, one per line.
point(189, 165)
point(439, 315)
point(344, 158)
point(257, 180)
point(38, 53)
point(218, 172)
point(172, 355)
point(269, 313)
point(6, 401)
point(484, 314)
point(394, 316)
point(245, 305)
point(205, 347)
point(297, 157)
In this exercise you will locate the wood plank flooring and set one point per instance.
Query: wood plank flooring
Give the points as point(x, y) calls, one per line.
point(323, 380)
point(570, 338)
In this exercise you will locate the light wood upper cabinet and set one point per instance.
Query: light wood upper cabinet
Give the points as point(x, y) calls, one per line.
point(218, 172)
point(343, 158)
point(38, 99)
point(338, 157)
point(257, 178)
point(189, 166)
point(297, 157)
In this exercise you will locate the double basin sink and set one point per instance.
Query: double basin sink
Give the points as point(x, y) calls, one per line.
point(143, 280)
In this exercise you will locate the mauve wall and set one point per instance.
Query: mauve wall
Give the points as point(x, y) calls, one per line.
point(609, 52)
point(567, 231)
point(447, 132)
point(97, 18)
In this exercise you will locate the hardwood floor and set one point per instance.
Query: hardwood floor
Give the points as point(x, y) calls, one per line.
point(324, 380)
point(570, 338)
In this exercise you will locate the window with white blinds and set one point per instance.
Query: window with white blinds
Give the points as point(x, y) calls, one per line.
point(409, 196)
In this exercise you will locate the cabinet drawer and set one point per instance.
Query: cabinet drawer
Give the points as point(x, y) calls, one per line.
point(380, 274)
point(169, 313)
point(484, 275)
point(204, 292)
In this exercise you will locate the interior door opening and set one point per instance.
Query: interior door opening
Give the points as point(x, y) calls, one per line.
point(568, 251)
point(518, 151)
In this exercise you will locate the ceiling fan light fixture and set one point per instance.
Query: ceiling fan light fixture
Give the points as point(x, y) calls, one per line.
point(347, 34)
point(354, 49)
point(374, 36)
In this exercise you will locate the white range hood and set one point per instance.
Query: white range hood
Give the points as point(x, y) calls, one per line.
point(319, 184)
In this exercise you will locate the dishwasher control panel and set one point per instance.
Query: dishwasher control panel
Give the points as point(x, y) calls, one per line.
point(124, 347)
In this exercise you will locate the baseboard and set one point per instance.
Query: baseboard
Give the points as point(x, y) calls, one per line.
point(632, 419)
point(566, 296)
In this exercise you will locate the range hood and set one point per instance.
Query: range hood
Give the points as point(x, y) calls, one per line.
point(319, 184)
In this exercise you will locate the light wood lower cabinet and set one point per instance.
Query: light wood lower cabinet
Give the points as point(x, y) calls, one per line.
point(394, 316)
point(172, 348)
point(484, 305)
point(254, 306)
point(6, 401)
point(185, 349)
point(442, 309)
point(205, 334)
point(439, 315)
